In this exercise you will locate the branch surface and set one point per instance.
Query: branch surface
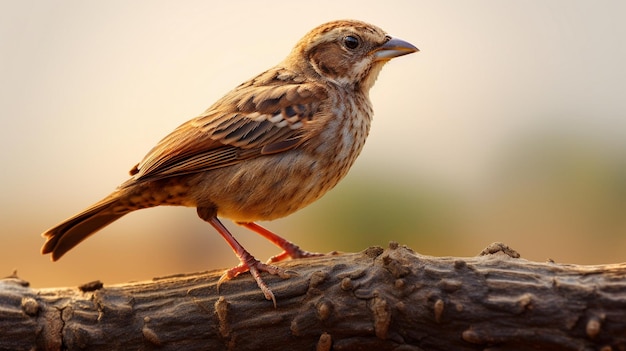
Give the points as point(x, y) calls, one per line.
point(392, 299)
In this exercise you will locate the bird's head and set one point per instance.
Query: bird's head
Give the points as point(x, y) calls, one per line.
point(347, 52)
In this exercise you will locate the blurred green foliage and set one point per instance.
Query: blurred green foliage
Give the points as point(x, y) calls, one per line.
point(375, 208)
point(577, 183)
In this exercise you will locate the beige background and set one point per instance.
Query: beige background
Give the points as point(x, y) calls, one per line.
point(508, 126)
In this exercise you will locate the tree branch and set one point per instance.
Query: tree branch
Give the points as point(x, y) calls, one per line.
point(391, 299)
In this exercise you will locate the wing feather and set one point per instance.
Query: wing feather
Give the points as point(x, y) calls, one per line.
point(269, 115)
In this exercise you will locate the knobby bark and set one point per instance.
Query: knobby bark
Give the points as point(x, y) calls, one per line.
point(392, 299)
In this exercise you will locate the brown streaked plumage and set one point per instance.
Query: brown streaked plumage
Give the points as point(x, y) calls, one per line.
point(271, 146)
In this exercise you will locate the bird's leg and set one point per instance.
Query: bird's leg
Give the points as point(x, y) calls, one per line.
point(290, 249)
point(247, 261)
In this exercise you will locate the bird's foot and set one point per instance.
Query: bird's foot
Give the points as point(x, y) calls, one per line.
point(294, 251)
point(255, 267)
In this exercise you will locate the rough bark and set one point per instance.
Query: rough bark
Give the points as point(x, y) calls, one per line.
point(391, 299)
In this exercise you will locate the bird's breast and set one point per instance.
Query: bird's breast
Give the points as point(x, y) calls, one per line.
point(273, 186)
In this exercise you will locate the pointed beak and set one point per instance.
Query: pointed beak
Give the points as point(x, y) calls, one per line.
point(394, 48)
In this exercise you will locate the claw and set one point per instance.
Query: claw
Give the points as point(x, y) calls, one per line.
point(230, 274)
point(255, 267)
point(269, 295)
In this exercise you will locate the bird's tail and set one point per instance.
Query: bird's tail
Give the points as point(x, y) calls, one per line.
point(72, 231)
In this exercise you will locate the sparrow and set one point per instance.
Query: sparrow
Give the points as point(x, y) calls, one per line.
point(268, 148)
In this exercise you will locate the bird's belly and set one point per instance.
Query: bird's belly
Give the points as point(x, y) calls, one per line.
point(268, 187)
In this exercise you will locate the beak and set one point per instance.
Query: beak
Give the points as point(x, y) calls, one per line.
point(394, 48)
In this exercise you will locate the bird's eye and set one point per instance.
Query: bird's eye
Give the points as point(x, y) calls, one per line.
point(351, 42)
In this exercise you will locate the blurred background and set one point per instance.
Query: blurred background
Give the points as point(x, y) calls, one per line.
point(509, 125)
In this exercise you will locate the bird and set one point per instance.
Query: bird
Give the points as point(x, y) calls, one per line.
point(269, 147)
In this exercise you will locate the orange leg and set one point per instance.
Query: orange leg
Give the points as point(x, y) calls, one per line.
point(290, 249)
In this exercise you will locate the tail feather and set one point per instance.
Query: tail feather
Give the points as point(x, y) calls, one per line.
point(71, 232)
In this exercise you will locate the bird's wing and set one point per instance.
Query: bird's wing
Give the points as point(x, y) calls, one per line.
point(250, 121)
